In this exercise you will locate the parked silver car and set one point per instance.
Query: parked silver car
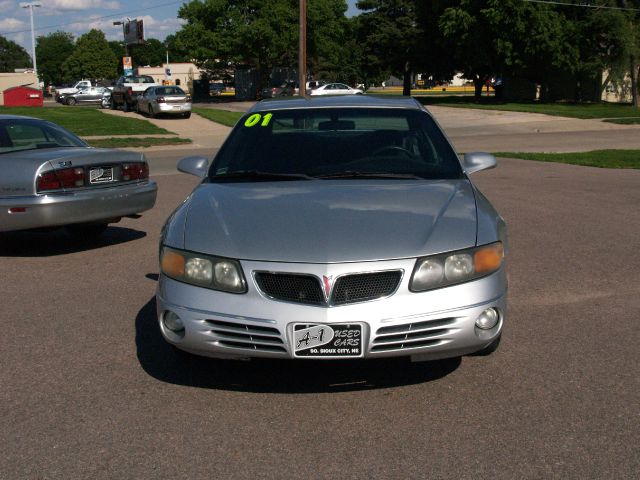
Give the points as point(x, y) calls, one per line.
point(51, 178)
point(86, 95)
point(168, 100)
point(335, 227)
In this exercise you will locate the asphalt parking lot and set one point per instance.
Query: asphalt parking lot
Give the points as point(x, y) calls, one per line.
point(89, 389)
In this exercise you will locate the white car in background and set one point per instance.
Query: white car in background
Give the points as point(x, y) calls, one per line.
point(336, 89)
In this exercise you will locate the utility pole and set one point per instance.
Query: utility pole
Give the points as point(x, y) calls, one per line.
point(302, 50)
point(31, 6)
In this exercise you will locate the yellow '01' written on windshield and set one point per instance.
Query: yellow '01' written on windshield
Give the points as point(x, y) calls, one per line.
point(254, 120)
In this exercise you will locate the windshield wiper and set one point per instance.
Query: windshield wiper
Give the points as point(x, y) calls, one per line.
point(382, 175)
point(258, 175)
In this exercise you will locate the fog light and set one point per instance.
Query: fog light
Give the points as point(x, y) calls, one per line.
point(172, 322)
point(488, 319)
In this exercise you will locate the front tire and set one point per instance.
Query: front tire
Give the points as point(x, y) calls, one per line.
point(186, 115)
point(71, 101)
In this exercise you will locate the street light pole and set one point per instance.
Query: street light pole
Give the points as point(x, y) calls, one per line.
point(30, 6)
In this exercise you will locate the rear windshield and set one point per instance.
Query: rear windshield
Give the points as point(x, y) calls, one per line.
point(327, 141)
point(140, 79)
point(169, 91)
point(31, 134)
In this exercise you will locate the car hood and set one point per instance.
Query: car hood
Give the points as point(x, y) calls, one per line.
point(330, 221)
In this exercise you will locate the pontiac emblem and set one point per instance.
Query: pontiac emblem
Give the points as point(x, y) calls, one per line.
point(327, 285)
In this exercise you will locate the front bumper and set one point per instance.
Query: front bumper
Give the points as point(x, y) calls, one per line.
point(427, 326)
point(88, 205)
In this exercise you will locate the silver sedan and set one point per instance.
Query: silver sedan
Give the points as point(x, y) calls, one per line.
point(51, 178)
point(164, 100)
point(336, 227)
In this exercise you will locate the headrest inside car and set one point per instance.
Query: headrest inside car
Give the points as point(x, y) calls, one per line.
point(337, 125)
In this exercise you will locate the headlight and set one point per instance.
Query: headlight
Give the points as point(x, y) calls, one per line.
point(202, 270)
point(452, 268)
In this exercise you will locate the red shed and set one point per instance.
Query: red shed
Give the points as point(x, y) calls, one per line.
point(23, 97)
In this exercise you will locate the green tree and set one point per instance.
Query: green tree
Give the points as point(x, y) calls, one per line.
point(51, 51)
point(359, 63)
point(177, 52)
point(490, 37)
point(152, 53)
point(91, 58)
point(630, 51)
point(222, 34)
point(12, 56)
point(118, 51)
point(392, 37)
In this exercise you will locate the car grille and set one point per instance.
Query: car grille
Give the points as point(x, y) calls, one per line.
point(307, 289)
point(412, 335)
point(248, 337)
point(291, 287)
point(365, 286)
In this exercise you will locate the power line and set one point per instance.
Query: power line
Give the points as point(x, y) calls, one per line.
point(583, 5)
point(120, 14)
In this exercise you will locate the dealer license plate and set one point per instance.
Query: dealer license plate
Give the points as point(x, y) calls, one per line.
point(335, 340)
point(101, 175)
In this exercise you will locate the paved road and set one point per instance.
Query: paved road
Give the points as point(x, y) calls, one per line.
point(89, 390)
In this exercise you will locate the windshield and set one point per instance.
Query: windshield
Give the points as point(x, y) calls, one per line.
point(140, 79)
point(30, 134)
point(349, 143)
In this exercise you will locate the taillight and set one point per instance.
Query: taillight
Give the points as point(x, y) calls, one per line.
point(135, 171)
point(57, 179)
point(130, 90)
point(160, 99)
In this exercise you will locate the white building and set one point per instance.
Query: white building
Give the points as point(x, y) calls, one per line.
point(182, 74)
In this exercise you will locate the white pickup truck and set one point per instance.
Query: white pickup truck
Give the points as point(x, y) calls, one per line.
point(61, 92)
point(126, 90)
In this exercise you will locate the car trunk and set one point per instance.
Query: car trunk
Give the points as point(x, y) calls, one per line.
point(173, 99)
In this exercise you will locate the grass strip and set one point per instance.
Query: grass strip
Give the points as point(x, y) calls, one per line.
point(572, 110)
point(85, 121)
point(223, 117)
point(595, 158)
point(121, 142)
point(624, 121)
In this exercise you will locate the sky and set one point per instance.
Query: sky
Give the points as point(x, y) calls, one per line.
point(79, 16)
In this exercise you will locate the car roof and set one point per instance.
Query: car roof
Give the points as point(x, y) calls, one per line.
point(360, 101)
point(17, 117)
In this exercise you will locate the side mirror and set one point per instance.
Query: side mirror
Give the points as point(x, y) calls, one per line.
point(476, 161)
point(197, 166)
